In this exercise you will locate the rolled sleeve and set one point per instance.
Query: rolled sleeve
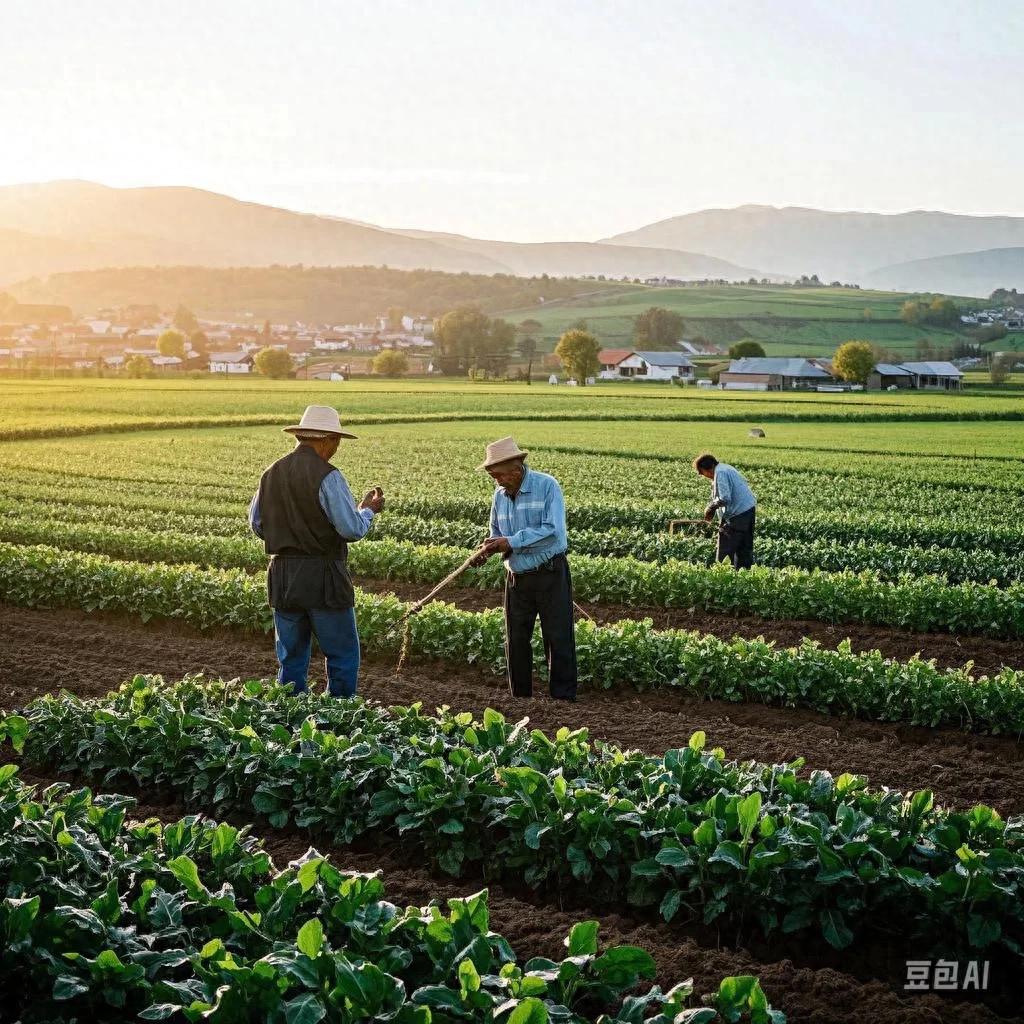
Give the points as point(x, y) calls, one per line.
point(340, 508)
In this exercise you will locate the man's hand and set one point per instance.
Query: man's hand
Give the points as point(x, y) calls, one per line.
point(488, 547)
point(709, 512)
point(373, 500)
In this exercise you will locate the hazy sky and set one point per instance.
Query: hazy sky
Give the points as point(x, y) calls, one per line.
point(523, 120)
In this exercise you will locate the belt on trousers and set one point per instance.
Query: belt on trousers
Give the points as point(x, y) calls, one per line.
point(549, 566)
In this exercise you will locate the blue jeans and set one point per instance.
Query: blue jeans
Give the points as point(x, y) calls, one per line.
point(335, 631)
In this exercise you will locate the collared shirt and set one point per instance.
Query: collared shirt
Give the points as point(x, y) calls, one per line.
point(730, 488)
point(533, 521)
point(338, 504)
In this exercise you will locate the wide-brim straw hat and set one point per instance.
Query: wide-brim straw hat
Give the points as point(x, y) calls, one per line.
point(319, 421)
point(502, 451)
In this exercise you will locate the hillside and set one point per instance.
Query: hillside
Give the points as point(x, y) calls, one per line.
point(320, 294)
point(980, 273)
point(77, 225)
point(786, 321)
point(847, 246)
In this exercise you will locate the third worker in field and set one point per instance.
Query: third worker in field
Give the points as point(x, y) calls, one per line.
point(734, 502)
point(528, 531)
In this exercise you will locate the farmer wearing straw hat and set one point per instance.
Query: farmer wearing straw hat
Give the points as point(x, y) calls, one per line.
point(528, 531)
point(305, 515)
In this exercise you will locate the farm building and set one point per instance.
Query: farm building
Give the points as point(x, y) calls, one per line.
point(768, 374)
point(626, 364)
point(230, 362)
point(935, 376)
point(889, 375)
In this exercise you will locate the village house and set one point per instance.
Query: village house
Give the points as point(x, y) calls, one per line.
point(890, 375)
point(772, 374)
point(627, 364)
point(935, 376)
point(231, 362)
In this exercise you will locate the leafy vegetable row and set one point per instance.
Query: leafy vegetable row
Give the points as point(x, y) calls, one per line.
point(103, 918)
point(703, 839)
point(923, 603)
point(626, 653)
point(46, 522)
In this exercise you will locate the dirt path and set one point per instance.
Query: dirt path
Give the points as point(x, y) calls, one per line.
point(89, 654)
point(814, 992)
point(950, 651)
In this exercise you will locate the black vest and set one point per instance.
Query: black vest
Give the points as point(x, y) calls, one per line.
point(308, 566)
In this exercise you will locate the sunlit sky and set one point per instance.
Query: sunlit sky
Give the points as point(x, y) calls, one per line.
point(528, 120)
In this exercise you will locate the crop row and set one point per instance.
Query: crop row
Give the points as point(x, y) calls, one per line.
point(965, 532)
point(923, 603)
point(705, 840)
point(627, 653)
point(44, 522)
point(107, 919)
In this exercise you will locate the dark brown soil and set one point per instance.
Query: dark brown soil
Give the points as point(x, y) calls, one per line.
point(90, 654)
point(948, 650)
point(840, 994)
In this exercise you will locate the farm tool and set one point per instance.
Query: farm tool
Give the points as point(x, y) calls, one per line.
point(673, 524)
point(418, 606)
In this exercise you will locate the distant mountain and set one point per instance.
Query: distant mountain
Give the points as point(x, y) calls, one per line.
point(964, 273)
point(845, 246)
point(79, 225)
point(571, 259)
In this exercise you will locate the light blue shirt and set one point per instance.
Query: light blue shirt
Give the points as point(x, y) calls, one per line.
point(533, 521)
point(732, 490)
point(338, 504)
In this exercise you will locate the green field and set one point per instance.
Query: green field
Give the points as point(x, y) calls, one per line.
point(787, 321)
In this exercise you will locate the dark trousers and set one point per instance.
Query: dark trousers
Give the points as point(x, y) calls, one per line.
point(736, 540)
point(546, 592)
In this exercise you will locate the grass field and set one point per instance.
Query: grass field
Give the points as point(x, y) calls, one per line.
point(787, 321)
point(870, 783)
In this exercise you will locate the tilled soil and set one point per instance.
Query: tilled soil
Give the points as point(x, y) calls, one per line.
point(808, 993)
point(948, 650)
point(90, 654)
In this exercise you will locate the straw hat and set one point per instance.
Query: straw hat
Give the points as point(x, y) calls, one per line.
point(318, 421)
point(502, 451)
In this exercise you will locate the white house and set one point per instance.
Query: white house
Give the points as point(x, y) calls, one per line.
point(626, 364)
point(230, 362)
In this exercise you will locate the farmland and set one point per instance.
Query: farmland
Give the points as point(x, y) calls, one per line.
point(764, 768)
point(786, 321)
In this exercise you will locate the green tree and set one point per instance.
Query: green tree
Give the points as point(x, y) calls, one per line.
point(171, 343)
point(460, 335)
point(578, 352)
point(185, 320)
point(657, 329)
point(1001, 366)
point(391, 363)
point(943, 312)
point(138, 366)
point(267, 332)
point(911, 312)
point(746, 349)
point(273, 362)
point(528, 332)
point(498, 345)
point(200, 344)
point(854, 361)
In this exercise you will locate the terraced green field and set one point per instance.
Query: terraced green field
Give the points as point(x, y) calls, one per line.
point(787, 321)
